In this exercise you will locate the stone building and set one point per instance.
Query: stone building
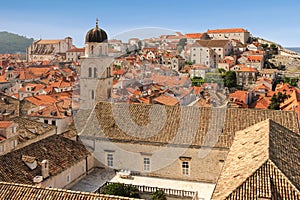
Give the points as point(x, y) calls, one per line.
point(239, 34)
point(209, 52)
point(96, 71)
point(48, 49)
point(52, 162)
point(246, 76)
point(172, 142)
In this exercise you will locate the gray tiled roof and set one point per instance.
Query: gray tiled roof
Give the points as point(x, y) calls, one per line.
point(175, 124)
point(60, 152)
point(263, 161)
point(25, 192)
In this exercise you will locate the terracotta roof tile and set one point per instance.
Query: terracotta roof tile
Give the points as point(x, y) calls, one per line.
point(166, 100)
point(5, 124)
point(229, 30)
point(194, 35)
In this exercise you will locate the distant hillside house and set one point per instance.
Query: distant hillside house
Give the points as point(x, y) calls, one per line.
point(74, 54)
point(239, 34)
point(48, 49)
point(209, 52)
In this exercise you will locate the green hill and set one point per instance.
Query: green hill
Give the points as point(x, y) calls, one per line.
point(13, 43)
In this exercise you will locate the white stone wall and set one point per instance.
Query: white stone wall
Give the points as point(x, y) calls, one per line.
point(165, 161)
point(242, 36)
point(75, 173)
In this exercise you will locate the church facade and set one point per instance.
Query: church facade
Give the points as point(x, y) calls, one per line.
point(48, 49)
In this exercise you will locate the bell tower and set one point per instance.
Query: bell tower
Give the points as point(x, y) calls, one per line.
point(95, 72)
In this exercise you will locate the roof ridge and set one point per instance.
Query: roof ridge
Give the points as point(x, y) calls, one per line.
point(285, 176)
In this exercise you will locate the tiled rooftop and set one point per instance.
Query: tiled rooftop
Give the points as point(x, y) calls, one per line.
point(29, 129)
point(178, 124)
point(25, 192)
point(60, 152)
point(264, 160)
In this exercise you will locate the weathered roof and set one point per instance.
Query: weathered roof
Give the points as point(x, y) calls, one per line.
point(166, 100)
point(212, 43)
point(30, 129)
point(175, 124)
point(60, 152)
point(264, 159)
point(25, 192)
point(228, 30)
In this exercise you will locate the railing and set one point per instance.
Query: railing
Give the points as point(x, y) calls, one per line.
point(149, 189)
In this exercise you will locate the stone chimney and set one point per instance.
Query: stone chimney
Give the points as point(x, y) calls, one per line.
point(45, 169)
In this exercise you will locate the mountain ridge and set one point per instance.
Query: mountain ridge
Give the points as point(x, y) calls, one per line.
point(13, 43)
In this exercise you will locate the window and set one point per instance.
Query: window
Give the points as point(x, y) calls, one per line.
point(53, 122)
point(95, 72)
point(68, 178)
point(185, 168)
point(110, 160)
point(46, 121)
point(93, 94)
point(90, 72)
point(92, 50)
point(147, 164)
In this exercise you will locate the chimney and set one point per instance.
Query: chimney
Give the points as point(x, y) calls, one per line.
point(45, 169)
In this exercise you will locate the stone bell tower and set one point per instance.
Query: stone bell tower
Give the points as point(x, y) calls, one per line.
point(95, 72)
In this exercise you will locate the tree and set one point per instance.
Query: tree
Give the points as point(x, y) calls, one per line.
point(189, 62)
point(182, 42)
point(276, 100)
point(230, 79)
point(158, 195)
point(197, 81)
point(120, 189)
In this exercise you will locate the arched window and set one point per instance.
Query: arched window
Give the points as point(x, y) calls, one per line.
point(95, 72)
point(92, 50)
point(90, 72)
point(93, 94)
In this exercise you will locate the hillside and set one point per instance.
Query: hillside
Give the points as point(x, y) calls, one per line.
point(13, 43)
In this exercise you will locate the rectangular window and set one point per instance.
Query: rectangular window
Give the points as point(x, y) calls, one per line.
point(53, 122)
point(2, 148)
point(46, 121)
point(110, 160)
point(147, 164)
point(185, 168)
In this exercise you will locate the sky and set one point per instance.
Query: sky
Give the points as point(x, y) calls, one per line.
point(56, 19)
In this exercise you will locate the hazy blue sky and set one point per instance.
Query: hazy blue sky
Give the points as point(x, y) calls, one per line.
point(274, 20)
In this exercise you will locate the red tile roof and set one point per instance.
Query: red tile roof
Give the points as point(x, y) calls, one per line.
point(229, 30)
point(41, 100)
point(5, 124)
point(166, 100)
point(77, 50)
point(194, 35)
point(247, 69)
